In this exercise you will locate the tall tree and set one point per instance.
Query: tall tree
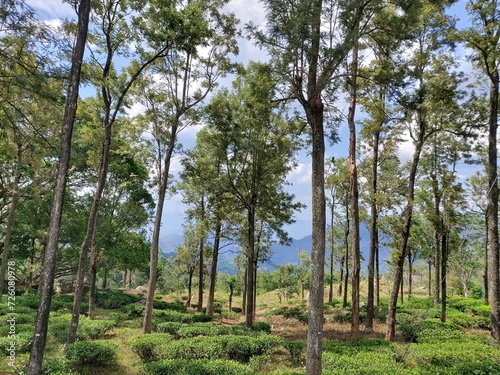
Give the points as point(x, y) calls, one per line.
point(425, 112)
point(483, 38)
point(257, 147)
point(47, 279)
point(203, 41)
point(308, 58)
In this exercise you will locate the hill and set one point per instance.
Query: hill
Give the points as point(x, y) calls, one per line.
point(281, 254)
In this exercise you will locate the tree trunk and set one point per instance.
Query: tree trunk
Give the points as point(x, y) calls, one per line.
point(373, 235)
point(10, 218)
point(94, 260)
point(486, 261)
point(130, 279)
point(250, 264)
point(354, 197)
point(213, 270)
point(494, 271)
point(444, 259)
point(124, 281)
point(410, 273)
point(199, 308)
point(346, 254)
point(244, 292)
point(410, 195)
point(230, 303)
point(153, 256)
point(48, 270)
point(377, 275)
point(190, 284)
point(332, 250)
point(429, 285)
point(316, 293)
point(341, 281)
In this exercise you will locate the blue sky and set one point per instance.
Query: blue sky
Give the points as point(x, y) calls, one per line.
point(247, 10)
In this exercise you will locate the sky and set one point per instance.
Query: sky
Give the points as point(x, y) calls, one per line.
point(52, 11)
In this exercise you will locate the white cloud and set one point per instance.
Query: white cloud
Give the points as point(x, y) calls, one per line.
point(51, 10)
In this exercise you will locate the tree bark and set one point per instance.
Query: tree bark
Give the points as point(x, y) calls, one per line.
point(494, 271)
point(373, 234)
point(354, 196)
point(250, 265)
point(94, 260)
point(316, 294)
point(444, 259)
point(213, 270)
point(486, 261)
point(199, 308)
point(48, 271)
point(332, 250)
point(346, 255)
point(10, 218)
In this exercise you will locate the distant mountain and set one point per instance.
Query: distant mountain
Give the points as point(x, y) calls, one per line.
point(290, 254)
point(280, 254)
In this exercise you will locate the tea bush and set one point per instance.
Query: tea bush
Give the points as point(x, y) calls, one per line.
point(93, 329)
point(197, 367)
point(114, 300)
point(148, 347)
point(239, 348)
point(167, 327)
point(175, 306)
point(91, 353)
point(22, 342)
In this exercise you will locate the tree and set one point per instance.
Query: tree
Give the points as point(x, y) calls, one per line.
point(47, 280)
point(483, 38)
point(434, 92)
point(257, 148)
point(203, 39)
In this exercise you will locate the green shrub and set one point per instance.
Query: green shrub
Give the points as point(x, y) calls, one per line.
point(430, 329)
point(27, 300)
point(176, 316)
point(168, 327)
point(91, 353)
point(4, 330)
point(296, 349)
point(20, 318)
point(291, 312)
point(238, 348)
point(175, 306)
point(197, 367)
point(261, 327)
point(93, 329)
point(133, 310)
point(114, 300)
point(470, 355)
point(148, 347)
point(236, 309)
point(22, 342)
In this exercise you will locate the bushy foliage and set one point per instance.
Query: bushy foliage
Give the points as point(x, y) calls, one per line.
point(22, 342)
point(232, 347)
point(197, 367)
point(176, 316)
point(148, 347)
point(168, 327)
point(91, 353)
point(291, 312)
point(429, 330)
point(93, 329)
point(297, 350)
point(174, 306)
point(114, 300)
